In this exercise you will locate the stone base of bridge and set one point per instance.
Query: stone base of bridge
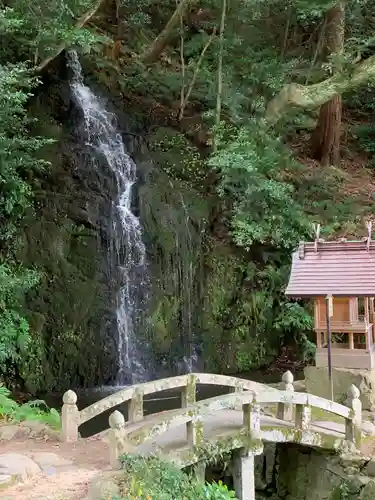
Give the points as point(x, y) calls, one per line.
point(244, 474)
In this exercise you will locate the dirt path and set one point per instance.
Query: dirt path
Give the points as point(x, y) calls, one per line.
point(88, 458)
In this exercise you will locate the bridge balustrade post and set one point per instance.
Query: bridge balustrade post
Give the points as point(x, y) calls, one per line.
point(354, 423)
point(194, 431)
point(69, 418)
point(135, 411)
point(189, 392)
point(303, 417)
point(244, 474)
point(251, 418)
point(116, 436)
point(285, 411)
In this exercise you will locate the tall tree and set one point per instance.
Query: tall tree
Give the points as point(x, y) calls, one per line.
point(326, 137)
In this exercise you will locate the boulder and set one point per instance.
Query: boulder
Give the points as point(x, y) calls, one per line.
point(18, 466)
point(370, 468)
point(368, 492)
point(105, 486)
point(5, 480)
point(317, 382)
point(13, 431)
point(40, 430)
point(48, 460)
point(368, 428)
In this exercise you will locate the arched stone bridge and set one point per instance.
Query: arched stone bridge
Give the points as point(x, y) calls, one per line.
point(232, 422)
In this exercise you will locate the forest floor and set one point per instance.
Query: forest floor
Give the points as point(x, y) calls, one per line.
point(67, 476)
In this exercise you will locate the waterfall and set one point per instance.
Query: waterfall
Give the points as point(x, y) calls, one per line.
point(126, 248)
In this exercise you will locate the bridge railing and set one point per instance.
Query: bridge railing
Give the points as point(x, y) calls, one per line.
point(72, 418)
point(124, 440)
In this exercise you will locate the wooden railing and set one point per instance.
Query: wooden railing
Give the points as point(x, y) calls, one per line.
point(72, 418)
point(352, 337)
point(124, 440)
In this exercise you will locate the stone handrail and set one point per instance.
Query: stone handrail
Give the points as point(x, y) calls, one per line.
point(123, 440)
point(72, 418)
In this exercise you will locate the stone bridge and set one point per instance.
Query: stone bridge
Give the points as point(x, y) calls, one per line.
point(237, 422)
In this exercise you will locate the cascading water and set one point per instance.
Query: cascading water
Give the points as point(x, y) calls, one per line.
point(126, 247)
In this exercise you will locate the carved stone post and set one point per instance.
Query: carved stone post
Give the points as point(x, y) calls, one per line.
point(135, 411)
point(69, 418)
point(353, 425)
point(194, 431)
point(188, 393)
point(243, 474)
point(284, 410)
point(251, 418)
point(303, 416)
point(116, 436)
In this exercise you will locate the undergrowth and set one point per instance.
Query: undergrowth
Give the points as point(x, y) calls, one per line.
point(149, 478)
point(11, 411)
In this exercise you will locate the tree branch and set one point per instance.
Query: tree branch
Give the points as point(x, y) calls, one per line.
point(313, 96)
point(153, 52)
point(81, 21)
point(195, 75)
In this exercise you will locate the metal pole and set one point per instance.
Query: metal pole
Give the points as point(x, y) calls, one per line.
point(328, 316)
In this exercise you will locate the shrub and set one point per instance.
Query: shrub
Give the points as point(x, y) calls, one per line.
point(150, 478)
point(38, 410)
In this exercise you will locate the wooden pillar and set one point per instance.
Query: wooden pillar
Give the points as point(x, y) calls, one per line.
point(372, 319)
point(351, 340)
point(371, 309)
point(369, 343)
point(367, 309)
point(319, 339)
point(367, 323)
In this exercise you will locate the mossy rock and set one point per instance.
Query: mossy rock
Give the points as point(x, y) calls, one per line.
point(368, 492)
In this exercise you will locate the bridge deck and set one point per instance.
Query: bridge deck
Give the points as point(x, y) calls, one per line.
point(220, 424)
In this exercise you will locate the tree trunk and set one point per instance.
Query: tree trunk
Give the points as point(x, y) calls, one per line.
point(326, 137)
point(153, 52)
point(309, 97)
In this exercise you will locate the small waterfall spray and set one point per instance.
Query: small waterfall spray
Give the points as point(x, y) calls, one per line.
point(126, 248)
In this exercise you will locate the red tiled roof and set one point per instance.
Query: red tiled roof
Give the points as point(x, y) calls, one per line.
point(338, 268)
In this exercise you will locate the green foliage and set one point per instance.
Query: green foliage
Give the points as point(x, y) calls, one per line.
point(216, 491)
point(11, 411)
point(14, 329)
point(34, 31)
point(365, 134)
point(150, 477)
point(220, 230)
point(265, 208)
point(18, 161)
